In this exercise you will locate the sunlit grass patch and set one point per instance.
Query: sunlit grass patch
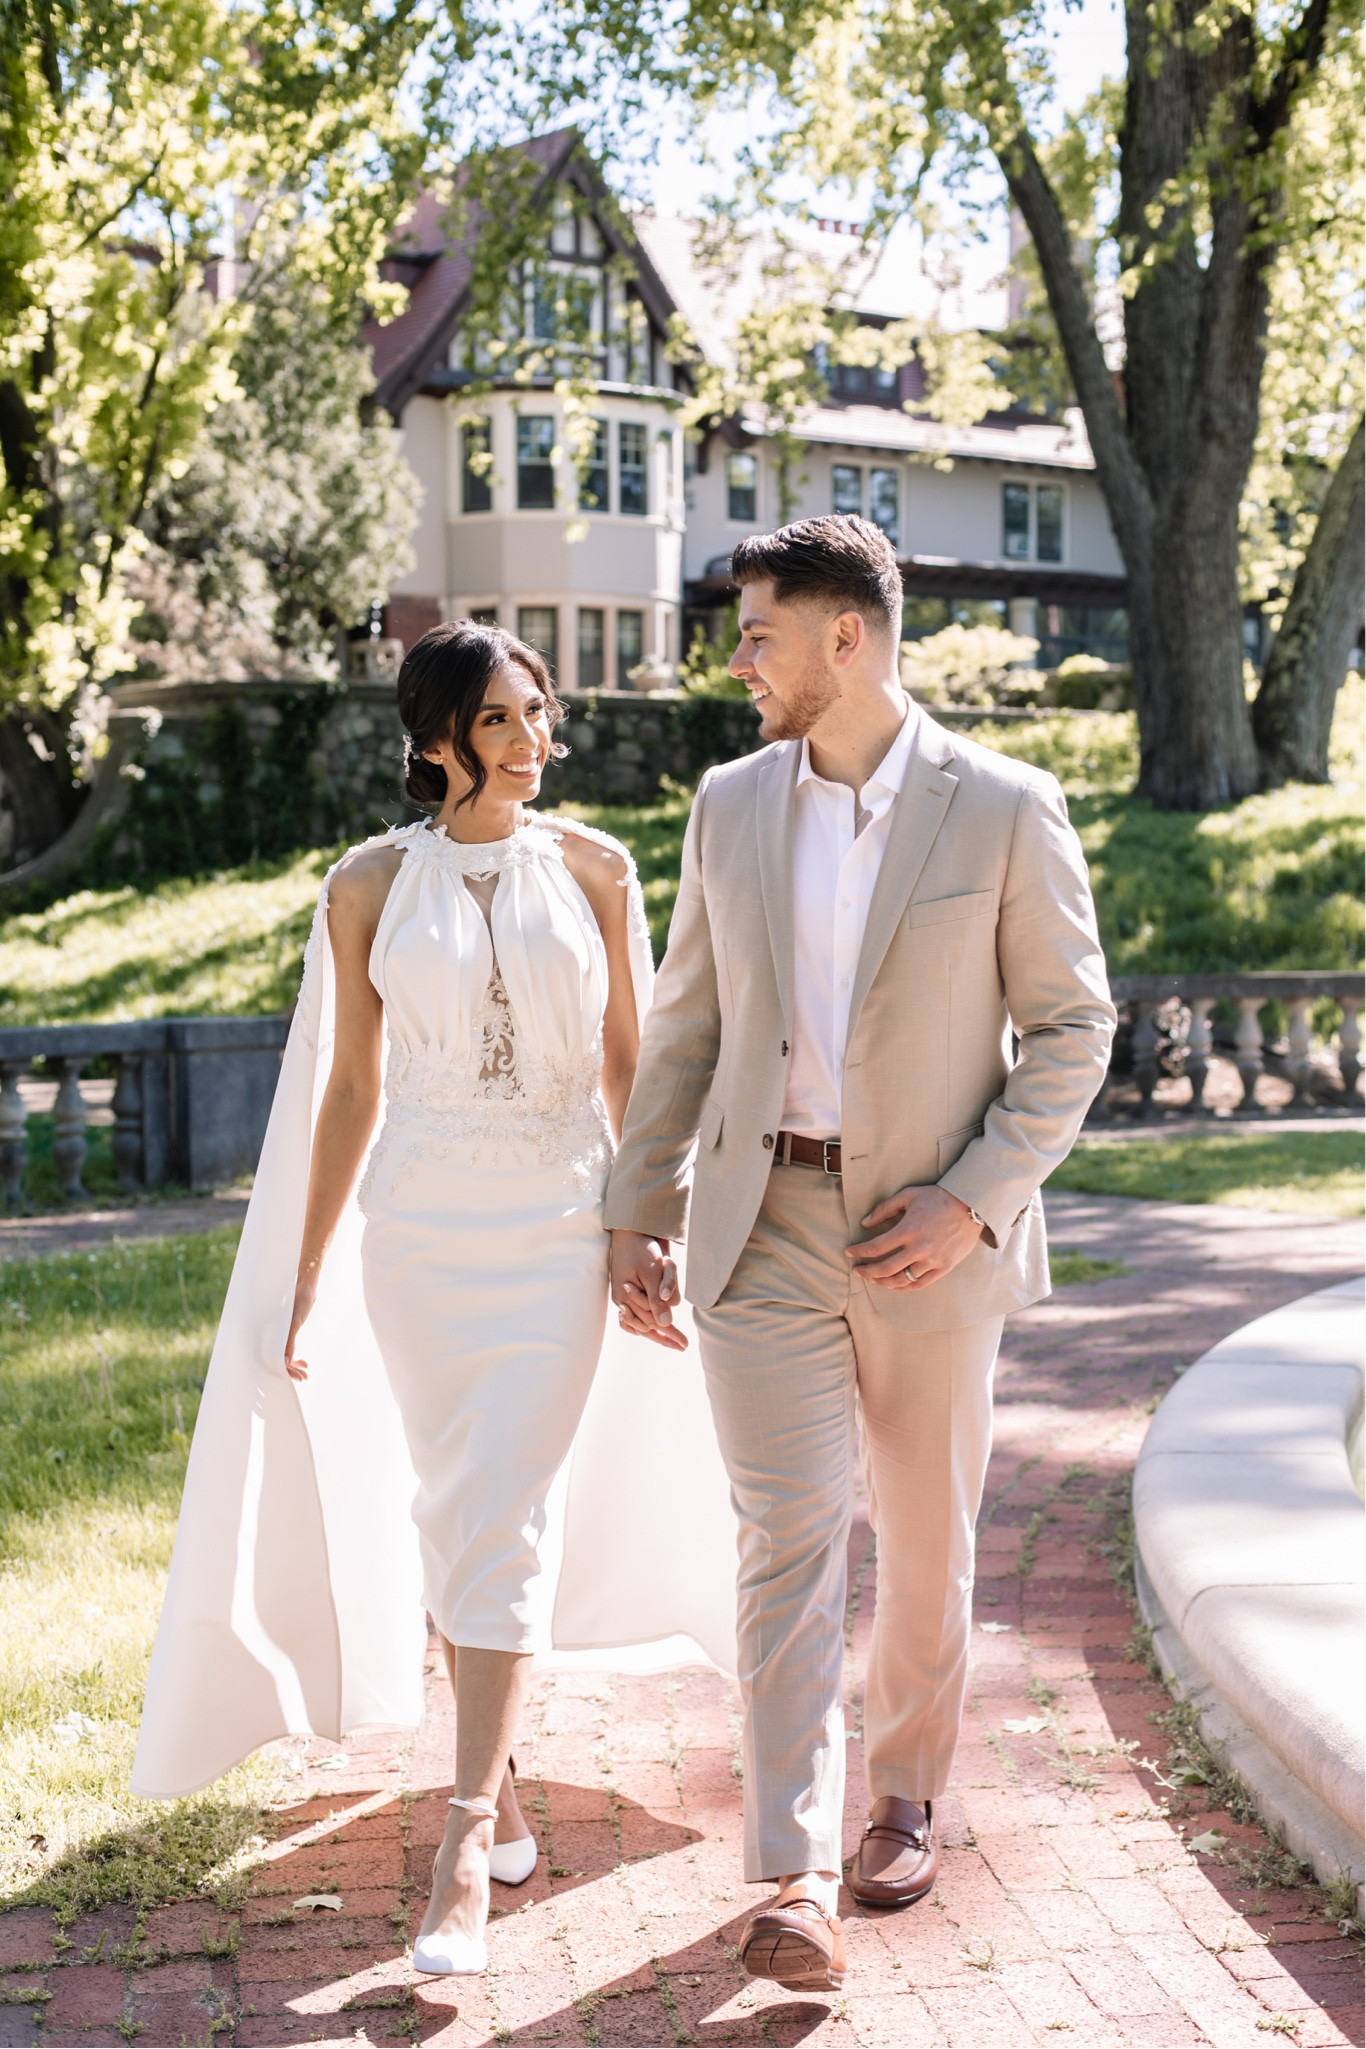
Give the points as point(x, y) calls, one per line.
point(102, 1356)
point(1068, 1269)
point(1316, 1173)
point(222, 945)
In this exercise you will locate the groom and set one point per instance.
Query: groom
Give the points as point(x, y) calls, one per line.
point(881, 1019)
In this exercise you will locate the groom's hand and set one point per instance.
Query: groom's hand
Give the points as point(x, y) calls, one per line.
point(644, 1285)
point(930, 1232)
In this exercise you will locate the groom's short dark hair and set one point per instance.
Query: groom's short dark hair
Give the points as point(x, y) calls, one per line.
point(840, 558)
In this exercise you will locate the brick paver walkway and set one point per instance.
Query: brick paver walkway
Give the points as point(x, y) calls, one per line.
point(1069, 1908)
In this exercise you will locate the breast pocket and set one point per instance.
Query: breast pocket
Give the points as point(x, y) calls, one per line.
point(946, 910)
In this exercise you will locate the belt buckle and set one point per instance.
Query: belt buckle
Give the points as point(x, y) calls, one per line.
point(829, 1145)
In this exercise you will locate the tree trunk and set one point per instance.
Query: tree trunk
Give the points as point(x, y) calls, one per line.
point(1293, 715)
point(39, 796)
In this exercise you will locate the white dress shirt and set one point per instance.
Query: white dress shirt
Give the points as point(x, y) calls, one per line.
point(837, 847)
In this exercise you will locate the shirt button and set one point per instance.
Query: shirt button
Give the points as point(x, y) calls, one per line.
point(768, 1141)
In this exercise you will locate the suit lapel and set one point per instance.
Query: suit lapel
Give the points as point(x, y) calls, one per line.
point(919, 811)
point(773, 823)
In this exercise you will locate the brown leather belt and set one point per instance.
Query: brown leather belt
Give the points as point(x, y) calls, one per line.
point(792, 1150)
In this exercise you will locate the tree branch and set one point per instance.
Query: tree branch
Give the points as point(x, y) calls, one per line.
point(1304, 45)
point(1120, 476)
point(1293, 716)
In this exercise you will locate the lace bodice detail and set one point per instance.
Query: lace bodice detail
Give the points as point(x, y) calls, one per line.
point(494, 980)
point(497, 1041)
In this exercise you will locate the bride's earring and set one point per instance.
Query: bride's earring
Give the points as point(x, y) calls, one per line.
point(455, 1956)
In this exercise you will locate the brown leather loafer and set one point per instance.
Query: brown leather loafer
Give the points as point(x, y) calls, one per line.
point(798, 1945)
point(898, 1858)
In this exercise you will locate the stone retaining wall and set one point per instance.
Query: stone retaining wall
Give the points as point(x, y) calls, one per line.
point(208, 775)
point(229, 772)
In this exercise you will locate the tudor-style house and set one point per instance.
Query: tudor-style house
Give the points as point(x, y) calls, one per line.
point(610, 567)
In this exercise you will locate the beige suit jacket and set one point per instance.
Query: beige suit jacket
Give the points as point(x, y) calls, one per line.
point(981, 931)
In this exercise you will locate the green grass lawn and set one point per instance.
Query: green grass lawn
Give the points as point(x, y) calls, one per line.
point(101, 1360)
point(1274, 882)
point(1309, 1173)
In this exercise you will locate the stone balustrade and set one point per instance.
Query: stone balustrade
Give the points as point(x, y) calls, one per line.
point(1168, 1035)
point(192, 1097)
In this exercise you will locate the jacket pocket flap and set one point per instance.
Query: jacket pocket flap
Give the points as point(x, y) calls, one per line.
point(713, 1117)
point(940, 909)
point(956, 1143)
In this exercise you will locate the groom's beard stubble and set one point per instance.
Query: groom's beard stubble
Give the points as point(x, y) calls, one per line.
point(792, 716)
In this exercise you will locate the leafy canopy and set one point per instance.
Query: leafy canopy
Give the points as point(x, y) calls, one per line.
point(162, 162)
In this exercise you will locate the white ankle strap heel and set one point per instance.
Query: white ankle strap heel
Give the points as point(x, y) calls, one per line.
point(455, 1956)
point(510, 1863)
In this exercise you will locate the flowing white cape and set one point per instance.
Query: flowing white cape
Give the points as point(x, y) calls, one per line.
point(294, 1601)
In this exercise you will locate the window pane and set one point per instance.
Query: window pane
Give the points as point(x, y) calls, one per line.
point(1048, 514)
point(630, 645)
point(544, 291)
point(476, 478)
point(742, 487)
point(1015, 520)
point(535, 474)
point(846, 488)
point(883, 494)
point(593, 484)
point(590, 648)
point(537, 626)
point(632, 482)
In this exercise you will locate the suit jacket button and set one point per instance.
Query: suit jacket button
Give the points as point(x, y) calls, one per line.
point(768, 1141)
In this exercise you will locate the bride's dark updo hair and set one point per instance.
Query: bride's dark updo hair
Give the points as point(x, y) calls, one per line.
point(441, 687)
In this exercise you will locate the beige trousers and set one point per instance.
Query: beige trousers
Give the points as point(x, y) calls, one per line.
point(796, 1359)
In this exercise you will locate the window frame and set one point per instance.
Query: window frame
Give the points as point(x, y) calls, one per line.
point(637, 470)
point(893, 532)
point(1060, 491)
point(585, 612)
point(475, 483)
point(551, 655)
point(625, 663)
point(600, 465)
point(526, 420)
point(846, 469)
point(1031, 488)
point(735, 457)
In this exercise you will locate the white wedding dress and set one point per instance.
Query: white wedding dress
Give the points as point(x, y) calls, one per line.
point(469, 1441)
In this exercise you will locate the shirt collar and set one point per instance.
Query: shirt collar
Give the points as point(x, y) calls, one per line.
point(890, 773)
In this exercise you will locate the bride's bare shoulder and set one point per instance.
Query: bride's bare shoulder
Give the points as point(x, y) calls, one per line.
point(599, 866)
point(362, 879)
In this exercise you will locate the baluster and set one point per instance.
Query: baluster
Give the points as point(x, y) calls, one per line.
point(1199, 1040)
point(1145, 1055)
point(127, 1141)
point(1299, 1065)
point(68, 1116)
point(1248, 1043)
point(1349, 1043)
point(13, 1132)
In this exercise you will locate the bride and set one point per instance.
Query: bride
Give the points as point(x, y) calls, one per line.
point(438, 1347)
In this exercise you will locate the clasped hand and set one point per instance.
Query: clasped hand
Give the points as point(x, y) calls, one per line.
point(644, 1286)
point(931, 1233)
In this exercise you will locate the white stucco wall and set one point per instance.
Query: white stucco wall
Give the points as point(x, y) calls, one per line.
point(422, 437)
point(954, 513)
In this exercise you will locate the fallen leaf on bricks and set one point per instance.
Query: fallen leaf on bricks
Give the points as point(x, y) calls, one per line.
point(1030, 1726)
point(321, 1899)
point(1210, 1841)
point(994, 1628)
